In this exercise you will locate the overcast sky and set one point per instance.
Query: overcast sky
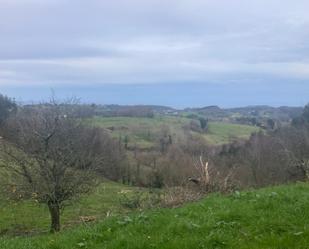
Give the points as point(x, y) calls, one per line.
point(257, 50)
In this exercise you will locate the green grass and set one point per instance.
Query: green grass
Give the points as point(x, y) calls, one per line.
point(220, 133)
point(143, 132)
point(275, 217)
point(29, 217)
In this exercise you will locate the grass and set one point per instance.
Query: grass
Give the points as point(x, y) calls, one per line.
point(220, 133)
point(275, 217)
point(143, 132)
point(29, 217)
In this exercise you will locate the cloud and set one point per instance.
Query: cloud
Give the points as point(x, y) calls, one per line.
point(155, 41)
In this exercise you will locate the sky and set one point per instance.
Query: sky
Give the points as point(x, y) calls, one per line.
point(168, 52)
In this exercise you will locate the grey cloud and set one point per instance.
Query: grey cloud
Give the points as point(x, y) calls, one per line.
point(152, 41)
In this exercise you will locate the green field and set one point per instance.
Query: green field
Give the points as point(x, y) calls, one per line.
point(143, 132)
point(220, 133)
point(29, 217)
point(274, 217)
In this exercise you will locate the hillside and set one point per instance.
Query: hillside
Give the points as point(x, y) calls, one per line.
point(282, 113)
point(145, 132)
point(274, 217)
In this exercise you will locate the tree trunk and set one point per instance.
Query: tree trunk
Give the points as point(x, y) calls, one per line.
point(54, 211)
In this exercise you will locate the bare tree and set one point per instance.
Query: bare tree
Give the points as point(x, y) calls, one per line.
point(52, 156)
point(202, 169)
point(295, 143)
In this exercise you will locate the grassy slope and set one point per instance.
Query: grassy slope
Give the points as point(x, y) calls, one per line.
point(142, 131)
point(220, 133)
point(30, 217)
point(274, 217)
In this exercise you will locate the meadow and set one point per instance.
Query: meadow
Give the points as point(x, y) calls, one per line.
point(143, 132)
point(27, 217)
point(273, 217)
point(221, 133)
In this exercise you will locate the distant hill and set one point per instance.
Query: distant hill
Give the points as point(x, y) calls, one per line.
point(282, 114)
point(252, 115)
point(132, 110)
point(260, 113)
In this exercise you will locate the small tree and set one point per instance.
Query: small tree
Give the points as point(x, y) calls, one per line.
point(305, 115)
point(203, 123)
point(271, 124)
point(126, 141)
point(52, 156)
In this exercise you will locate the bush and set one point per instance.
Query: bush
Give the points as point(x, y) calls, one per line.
point(131, 200)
